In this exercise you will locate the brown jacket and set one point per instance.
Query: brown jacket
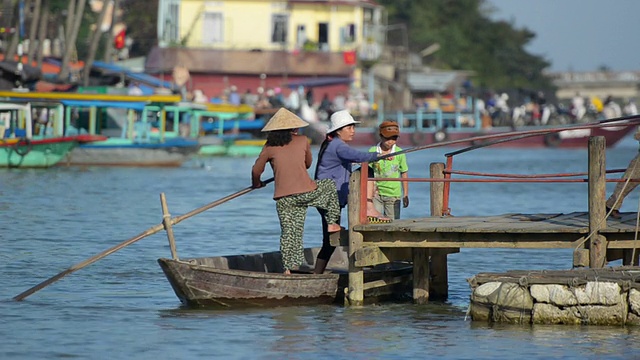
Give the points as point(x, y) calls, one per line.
point(289, 164)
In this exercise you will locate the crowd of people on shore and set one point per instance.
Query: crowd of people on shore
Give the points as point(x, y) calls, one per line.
point(302, 101)
point(537, 110)
point(494, 109)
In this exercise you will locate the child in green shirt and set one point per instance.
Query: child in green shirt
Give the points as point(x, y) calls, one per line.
point(387, 197)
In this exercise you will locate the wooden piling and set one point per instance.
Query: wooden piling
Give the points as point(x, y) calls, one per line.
point(356, 276)
point(421, 275)
point(630, 257)
point(597, 198)
point(439, 287)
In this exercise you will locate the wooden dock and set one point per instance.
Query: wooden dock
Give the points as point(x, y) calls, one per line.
point(517, 231)
point(428, 241)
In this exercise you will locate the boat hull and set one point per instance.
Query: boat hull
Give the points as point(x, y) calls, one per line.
point(115, 152)
point(257, 280)
point(207, 286)
point(39, 153)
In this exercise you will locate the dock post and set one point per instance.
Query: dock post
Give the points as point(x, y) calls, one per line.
point(439, 269)
point(597, 198)
point(356, 276)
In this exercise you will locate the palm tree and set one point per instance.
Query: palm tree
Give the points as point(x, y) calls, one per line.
point(32, 31)
point(74, 19)
point(108, 48)
point(42, 32)
point(95, 40)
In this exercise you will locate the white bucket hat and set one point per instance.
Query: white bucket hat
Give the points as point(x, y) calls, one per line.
point(284, 119)
point(340, 119)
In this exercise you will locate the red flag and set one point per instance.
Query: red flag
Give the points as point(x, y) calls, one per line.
point(118, 40)
point(349, 57)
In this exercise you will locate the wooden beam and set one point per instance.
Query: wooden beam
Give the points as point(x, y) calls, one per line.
point(356, 275)
point(371, 256)
point(623, 244)
point(439, 286)
point(476, 245)
point(597, 198)
point(384, 282)
point(421, 275)
point(340, 238)
point(376, 237)
point(581, 258)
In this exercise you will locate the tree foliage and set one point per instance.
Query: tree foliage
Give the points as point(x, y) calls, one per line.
point(141, 18)
point(470, 40)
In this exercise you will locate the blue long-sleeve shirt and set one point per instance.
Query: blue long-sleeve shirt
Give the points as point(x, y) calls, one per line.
point(335, 164)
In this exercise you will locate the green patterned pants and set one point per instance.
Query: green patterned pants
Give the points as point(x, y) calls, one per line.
point(292, 212)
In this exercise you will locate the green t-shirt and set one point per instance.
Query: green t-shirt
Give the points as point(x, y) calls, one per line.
point(389, 168)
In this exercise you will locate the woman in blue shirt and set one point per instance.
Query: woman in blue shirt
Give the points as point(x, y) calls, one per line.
point(335, 159)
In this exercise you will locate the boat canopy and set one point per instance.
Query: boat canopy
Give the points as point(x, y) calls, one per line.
point(320, 81)
point(12, 106)
point(105, 104)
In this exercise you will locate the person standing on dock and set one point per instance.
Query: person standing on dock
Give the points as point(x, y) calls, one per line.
point(389, 193)
point(335, 160)
point(290, 156)
point(622, 189)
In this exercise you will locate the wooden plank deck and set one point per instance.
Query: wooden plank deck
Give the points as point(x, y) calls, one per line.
point(500, 231)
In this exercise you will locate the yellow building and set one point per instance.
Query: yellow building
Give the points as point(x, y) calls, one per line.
point(268, 43)
point(294, 25)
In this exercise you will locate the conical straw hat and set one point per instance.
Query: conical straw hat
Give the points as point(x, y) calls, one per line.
point(284, 119)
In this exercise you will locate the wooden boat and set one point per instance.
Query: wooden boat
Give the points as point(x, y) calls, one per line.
point(135, 133)
point(236, 128)
point(257, 280)
point(221, 129)
point(20, 148)
point(58, 96)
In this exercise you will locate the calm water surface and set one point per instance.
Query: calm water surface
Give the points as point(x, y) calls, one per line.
point(122, 307)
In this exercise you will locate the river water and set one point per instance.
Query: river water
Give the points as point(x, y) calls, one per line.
point(122, 307)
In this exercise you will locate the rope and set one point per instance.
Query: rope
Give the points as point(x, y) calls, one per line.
point(635, 236)
point(522, 176)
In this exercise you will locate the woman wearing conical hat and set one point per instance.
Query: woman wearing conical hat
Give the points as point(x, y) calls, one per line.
point(290, 156)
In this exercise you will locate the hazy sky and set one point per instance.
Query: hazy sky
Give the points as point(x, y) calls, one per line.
point(579, 35)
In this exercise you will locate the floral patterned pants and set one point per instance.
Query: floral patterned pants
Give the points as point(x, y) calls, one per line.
point(292, 212)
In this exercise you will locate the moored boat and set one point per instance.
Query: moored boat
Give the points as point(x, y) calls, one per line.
point(231, 130)
point(20, 148)
point(257, 280)
point(427, 128)
point(134, 132)
point(124, 152)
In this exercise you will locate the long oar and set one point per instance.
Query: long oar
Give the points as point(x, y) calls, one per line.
point(140, 236)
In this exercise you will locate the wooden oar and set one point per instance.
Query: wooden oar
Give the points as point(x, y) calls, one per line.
point(140, 236)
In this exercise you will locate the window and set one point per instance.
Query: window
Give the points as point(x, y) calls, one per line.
point(170, 29)
point(301, 36)
point(212, 28)
point(323, 36)
point(348, 34)
point(279, 28)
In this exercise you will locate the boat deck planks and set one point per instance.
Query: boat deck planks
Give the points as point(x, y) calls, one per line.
point(509, 230)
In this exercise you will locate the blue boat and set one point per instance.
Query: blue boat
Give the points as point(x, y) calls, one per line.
point(137, 135)
point(221, 129)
